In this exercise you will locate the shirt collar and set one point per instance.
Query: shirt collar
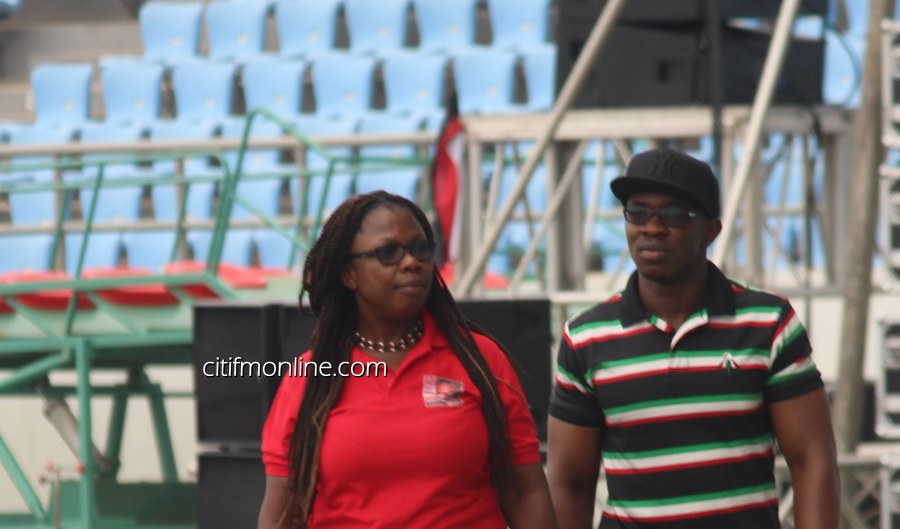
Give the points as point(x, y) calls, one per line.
point(720, 300)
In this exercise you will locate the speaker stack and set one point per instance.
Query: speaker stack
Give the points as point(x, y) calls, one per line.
point(658, 53)
point(232, 407)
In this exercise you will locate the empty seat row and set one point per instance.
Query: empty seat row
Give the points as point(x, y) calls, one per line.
point(32, 199)
point(342, 85)
point(237, 30)
point(149, 250)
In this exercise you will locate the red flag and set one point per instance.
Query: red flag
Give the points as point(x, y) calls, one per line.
point(447, 186)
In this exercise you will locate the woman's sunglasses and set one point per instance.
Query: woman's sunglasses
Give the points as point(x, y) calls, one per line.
point(391, 254)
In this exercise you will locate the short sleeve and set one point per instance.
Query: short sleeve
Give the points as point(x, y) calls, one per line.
point(279, 426)
point(522, 432)
point(792, 370)
point(573, 399)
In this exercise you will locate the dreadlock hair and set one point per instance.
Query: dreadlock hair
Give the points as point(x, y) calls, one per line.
point(332, 340)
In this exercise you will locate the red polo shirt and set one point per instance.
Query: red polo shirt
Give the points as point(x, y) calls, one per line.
point(410, 449)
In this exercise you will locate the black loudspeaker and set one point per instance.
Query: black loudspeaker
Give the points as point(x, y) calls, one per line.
point(867, 427)
point(682, 11)
point(666, 65)
point(295, 331)
point(231, 403)
point(523, 327)
point(230, 489)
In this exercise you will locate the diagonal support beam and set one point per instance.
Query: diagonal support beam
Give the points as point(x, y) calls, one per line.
point(566, 95)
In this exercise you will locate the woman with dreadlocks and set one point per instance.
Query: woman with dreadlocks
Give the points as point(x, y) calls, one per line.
point(444, 440)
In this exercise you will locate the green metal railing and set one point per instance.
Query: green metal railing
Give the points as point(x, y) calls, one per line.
point(36, 343)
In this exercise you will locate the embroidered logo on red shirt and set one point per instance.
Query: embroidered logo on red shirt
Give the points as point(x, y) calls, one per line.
point(438, 391)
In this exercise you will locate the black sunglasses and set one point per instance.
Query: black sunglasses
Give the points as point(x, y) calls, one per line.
point(391, 254)
point(670, 216)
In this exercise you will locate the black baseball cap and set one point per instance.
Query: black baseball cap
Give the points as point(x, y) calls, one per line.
point(672, 173)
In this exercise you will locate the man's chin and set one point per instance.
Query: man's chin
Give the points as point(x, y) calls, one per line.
point(656, 275)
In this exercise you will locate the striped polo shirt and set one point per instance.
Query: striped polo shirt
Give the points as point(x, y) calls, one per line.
point(687, 440)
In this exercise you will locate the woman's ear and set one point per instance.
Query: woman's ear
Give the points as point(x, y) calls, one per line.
point(348, 276)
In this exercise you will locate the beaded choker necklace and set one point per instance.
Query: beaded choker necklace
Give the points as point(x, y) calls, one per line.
point(411, 338)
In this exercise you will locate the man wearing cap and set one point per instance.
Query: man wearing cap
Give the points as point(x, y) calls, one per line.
point(683, 383)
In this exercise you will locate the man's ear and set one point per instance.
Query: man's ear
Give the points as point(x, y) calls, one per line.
point(713, 228)
point(348, 277)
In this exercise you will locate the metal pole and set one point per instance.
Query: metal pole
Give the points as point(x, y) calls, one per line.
point(556, 200)
point(87, 498)
point(761, 103)
point(34, 370)
point(716, 78)
point(566, 95)
point(868, 150)
point(15, 473)
point(161, 429)
point(116, 430)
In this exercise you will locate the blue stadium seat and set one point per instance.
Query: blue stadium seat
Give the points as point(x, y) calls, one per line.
point(339, 189)
point(264, 194)
point(514, 240)
point(114, 203)
point(306, 27)
point(341, 183)
point(236, 250)
point(8, 7)
point(809, 27)
point(203, 90)
point(485, 81)
point(235, 30)
point(276, 85)
point(445, 25)
point(62, 93)
point(498, 263)
point(200, 195)
point(376, 27)
point(434, 122)
point(116, 164)
point(608, 241)
point(535, 191)
point(38, 207)
point(519, 23)
point(264, 159)
point(274, 249)
point(131, 92)
point(102, 250)
point(5, 129)
point(596, 153)
point(414, 83)
point(842, 74)
point(857, 18)
point(170, 31)
point(400, 181)
point(149, 249)
point(389, 124)
point(539, 65)
point(343, 84)
point(34, 252)
point(314, 125)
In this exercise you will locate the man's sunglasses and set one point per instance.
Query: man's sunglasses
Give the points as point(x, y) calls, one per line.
point(671, 216)
point(391, 254)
